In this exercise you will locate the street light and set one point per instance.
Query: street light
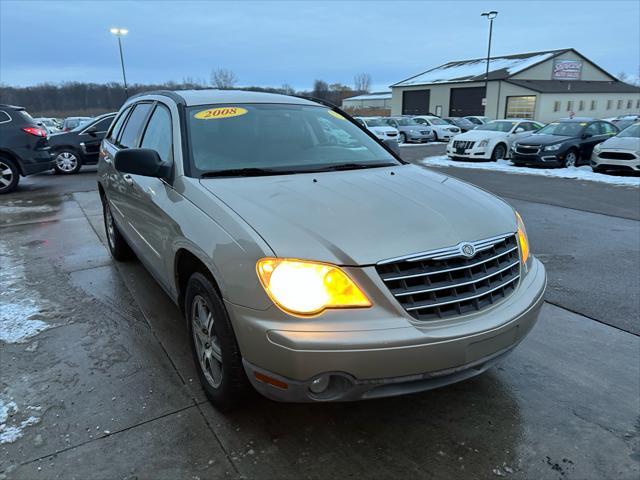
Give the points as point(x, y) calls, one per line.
point(121, 32)
point(490, 15)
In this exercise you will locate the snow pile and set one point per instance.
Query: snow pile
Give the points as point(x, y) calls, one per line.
point(579, 173)
point(469, 70)
point(11, 428)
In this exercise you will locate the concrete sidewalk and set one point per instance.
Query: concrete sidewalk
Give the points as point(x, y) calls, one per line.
point(98, 382)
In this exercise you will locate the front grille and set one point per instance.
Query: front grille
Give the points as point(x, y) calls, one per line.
point(424, 132)
point(617, 155)
point(445, 283)
point(527, 149)
point(392, 134)
point(463, 144)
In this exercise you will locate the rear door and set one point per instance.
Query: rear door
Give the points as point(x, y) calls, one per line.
point(598, 134)
point(91, 137)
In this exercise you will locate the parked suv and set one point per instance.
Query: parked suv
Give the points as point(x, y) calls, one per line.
point(24, 149)
point(410, 130)
point(287, 253)
point(566, 143)
point(80, 146)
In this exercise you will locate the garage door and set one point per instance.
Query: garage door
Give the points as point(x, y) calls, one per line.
point(415, 102)
point(466, 101)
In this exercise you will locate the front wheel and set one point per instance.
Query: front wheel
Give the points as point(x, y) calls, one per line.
point(498, 153)
point(570, 159)
point(403, 138)
point(435, 136)
point(67, 162)
point(9, 175)
point(213, 344)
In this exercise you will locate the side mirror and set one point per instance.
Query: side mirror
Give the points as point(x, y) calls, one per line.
point(393, 145)
point(518, 130)
point(92, 131)
point(141, 161)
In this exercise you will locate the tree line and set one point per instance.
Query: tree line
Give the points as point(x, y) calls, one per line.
point(81, 98)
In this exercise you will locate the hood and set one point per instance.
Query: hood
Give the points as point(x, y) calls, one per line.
point(476, 135)
point(623, 143)
point(383, 129)
point(538, 139)
point(359, 217)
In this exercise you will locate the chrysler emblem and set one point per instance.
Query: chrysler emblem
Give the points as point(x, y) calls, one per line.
point(467, 250)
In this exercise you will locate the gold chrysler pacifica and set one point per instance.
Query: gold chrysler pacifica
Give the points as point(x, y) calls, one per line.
point(309, 260)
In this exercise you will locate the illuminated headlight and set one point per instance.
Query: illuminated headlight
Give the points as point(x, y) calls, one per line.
point(523, 241)
point(483, 143)
point(303, 287)
point(553, 148)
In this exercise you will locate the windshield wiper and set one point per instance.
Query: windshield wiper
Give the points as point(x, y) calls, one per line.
point(353, 166)
point(245, 172)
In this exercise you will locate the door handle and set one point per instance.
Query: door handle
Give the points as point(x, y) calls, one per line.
point(127, 178)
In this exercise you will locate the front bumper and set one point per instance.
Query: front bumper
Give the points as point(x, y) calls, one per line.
point(474, 153)
point(401, 357)
point(631, 164)
point(418, 137)
point(541, 158)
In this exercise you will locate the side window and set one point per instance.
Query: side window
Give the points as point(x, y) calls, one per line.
point(593, 129)
point(131, 130)
point(4, 117)
point(608, 129)
point(103, 125)
point(158, 134)
point(115, 130)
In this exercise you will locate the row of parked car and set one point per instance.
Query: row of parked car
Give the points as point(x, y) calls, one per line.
point(565, 143)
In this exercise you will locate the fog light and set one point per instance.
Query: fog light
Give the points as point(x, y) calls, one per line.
point(320, 384)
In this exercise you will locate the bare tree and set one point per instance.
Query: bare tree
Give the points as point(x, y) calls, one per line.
point(362, 82)
point(320, 89)
point(223, 78)
point(623, 77)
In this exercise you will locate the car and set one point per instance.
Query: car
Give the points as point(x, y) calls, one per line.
point(378, 127)
point(462, 123)
point(410, 130)
point(619, 153)
point(565, 143)
point(80, 146)
point(72, 122)
point(477, 119)
point(48, 123)
point(491, 141)
point(309, 270)
point(625, 121)
point(24, 148)
point(442, 130)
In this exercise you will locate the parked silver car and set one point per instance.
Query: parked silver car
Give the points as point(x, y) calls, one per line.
point(312, 269)
point(410, 130)
point(619, 153)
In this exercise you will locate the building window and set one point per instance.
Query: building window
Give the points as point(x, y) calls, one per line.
point(629, 104)
point(619, 104)
point(570, 106)
point(594, 104)
point(556, 106)
point(581, 105)
point(609, 104)
point(521, 107)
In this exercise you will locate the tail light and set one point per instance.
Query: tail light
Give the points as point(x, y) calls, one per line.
point(37, 131)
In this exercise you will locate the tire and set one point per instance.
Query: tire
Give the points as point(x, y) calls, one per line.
point(435, 136)
point(9, 175)
point(499, 152)
point(68, 162)
point(213, 343)
point(118, 246)
point(571, 159)
point(403, 138)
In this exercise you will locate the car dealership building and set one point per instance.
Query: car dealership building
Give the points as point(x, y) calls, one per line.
point(540, 85)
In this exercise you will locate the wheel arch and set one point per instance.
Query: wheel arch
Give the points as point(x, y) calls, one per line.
point(14, 158)
point(185, 264)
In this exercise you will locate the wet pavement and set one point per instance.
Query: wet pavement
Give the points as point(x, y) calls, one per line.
point(97, 381)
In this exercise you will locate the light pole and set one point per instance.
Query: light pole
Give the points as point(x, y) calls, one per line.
point(121, 32)
point(490, 15)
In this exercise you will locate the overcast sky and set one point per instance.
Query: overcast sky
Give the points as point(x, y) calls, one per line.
point(271, 43)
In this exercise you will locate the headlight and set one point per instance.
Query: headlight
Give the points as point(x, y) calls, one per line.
point(305, 288)
point(523, 241)
point(597, 148)
point(483, 143)
point(553, 148)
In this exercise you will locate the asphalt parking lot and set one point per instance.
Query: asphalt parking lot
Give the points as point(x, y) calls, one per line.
point(107, 388)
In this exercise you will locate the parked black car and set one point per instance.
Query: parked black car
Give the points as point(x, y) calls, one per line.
point(24, 149)
point(462, 123)
point(80, 146)
point(565, 143)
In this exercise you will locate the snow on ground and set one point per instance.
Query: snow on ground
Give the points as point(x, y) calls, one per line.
point(579, 173)
point(11, 427)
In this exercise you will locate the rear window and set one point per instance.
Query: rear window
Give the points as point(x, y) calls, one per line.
point(4, 117)
point(277, 136)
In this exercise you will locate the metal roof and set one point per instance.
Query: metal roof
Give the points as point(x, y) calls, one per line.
point(371, 96)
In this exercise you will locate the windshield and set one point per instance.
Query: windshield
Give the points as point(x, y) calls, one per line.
point(632, 131)
point(407, 122)
point(375, 122)
point(278, 137)
point(438, 121)
point(497, 126)
point(567, 129)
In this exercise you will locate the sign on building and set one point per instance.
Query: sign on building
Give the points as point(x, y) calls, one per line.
point(566, 70)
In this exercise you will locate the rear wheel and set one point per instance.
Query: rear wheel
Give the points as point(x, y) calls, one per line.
point(9, 175)
point(498, 153)
point(118, 246)
point(67, 162)
point(213, 343)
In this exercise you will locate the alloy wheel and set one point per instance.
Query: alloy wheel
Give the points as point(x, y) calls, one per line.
point(206, 341)
point(6, 175)
point(66, 161)
point(570, 159)
point(111, 233)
